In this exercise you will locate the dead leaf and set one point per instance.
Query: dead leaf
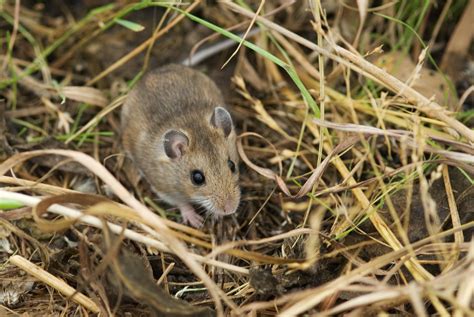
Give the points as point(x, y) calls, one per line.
point(460, 41)
point(429, 82)
point(87, 95)
point(128, 272)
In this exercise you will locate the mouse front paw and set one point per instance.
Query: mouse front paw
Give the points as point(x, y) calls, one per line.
point(191, 217)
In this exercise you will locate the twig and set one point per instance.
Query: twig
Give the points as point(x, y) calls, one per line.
point(54, 282)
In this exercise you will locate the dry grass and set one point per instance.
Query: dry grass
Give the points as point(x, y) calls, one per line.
point(357, 184)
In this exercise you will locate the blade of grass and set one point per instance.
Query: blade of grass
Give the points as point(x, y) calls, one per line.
point(287, 67)
point(6, 204)
point(135, 27)
point(41, 58)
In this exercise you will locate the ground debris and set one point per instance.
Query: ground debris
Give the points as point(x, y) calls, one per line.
point(384, 227)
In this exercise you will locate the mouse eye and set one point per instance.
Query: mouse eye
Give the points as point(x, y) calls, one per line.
point(197, 177)
point(231, 166)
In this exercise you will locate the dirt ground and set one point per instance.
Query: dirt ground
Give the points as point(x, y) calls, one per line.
point(384, 226)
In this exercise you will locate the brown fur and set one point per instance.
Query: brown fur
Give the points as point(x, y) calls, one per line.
point(180, 98)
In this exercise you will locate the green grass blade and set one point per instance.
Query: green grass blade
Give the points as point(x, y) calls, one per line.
point(135, 27)
point(6, 204)
point(289, 70)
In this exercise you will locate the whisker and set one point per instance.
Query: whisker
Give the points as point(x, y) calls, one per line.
point(201, 209)
point(207, 215)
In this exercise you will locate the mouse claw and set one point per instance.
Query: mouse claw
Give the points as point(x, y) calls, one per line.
point(190, 216)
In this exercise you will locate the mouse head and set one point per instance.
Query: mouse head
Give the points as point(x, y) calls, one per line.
point(205, 161)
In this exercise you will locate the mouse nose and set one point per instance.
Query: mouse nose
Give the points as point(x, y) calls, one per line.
point(229, 207)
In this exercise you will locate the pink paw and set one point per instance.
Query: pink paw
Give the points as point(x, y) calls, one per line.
point(190, 216)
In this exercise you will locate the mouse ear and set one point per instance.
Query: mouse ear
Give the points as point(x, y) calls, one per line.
point(175, 143)
point(221, 119)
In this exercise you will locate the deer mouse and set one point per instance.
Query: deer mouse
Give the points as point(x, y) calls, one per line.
point(179, 135)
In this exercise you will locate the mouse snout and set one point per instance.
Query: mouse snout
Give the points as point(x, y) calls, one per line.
point(230, 207)
point(226, 206)
point(224, 202)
